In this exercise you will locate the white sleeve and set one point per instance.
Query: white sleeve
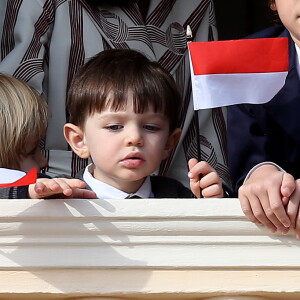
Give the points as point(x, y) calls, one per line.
point(262, 164)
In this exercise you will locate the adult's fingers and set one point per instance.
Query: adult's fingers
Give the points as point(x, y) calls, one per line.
point(287, 185)
point(292, 208)
point(275, 209)
point(253, 209)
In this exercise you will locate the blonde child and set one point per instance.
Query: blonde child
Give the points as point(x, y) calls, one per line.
point(23, 123)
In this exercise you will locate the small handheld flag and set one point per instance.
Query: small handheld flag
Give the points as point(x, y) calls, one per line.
point(237, 71)
point(20, 180)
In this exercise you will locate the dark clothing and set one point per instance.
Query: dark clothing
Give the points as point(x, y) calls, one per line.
point(270, 131)
point(164, 187)
point(18, 192)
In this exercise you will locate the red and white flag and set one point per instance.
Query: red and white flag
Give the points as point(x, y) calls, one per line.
point(237, 71)
point(12, 178)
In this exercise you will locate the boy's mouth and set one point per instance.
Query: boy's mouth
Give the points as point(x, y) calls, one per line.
point(133, 160)
point(133, 156)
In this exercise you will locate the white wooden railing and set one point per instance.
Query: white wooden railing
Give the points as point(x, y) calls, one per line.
point(142, 249)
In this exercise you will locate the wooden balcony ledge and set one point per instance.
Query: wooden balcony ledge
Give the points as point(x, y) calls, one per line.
point(142, 249)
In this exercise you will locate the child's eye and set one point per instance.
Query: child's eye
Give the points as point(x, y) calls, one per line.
point(114, 127)
point(151, 127)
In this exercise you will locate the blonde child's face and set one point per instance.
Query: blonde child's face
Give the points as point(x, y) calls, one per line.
point(289, 14)
point(126, 147)
point(32, 158)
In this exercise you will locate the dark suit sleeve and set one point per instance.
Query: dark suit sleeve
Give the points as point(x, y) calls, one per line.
point(246, 143)
point(266, 132)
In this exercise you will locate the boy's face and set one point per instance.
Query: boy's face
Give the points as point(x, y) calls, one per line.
point(32, 158)
point(289, 14)
point(126, 147)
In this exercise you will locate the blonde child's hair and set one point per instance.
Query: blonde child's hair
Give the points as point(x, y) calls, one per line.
point(24, 118)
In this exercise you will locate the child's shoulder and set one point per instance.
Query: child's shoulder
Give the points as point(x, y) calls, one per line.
point(269, 32)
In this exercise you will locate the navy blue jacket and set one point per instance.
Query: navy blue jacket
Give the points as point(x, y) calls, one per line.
point(270, 131)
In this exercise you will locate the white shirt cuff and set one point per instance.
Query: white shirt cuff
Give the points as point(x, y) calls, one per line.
point(262, 164)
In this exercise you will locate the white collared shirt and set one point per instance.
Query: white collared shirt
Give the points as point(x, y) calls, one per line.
point(106, 191)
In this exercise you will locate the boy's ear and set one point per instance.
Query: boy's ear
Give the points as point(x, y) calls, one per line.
point(75, 137)
point(172, 141)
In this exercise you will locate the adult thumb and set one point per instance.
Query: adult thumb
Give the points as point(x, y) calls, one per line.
point(287, 187)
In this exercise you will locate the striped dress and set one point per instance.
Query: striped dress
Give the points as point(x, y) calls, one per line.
point(44, 42)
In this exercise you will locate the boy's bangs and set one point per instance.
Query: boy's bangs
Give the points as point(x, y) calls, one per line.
point(114, 77)
point(146, 94)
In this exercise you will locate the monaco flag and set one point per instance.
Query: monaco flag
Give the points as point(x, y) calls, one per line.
point(11, 178)
point(237, 71)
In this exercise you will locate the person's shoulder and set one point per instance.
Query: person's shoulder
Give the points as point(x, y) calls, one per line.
point(270, 32)
point(166, 187)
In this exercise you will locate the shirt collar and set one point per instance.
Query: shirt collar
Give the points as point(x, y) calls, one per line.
point(106, 191)
point(298, 58)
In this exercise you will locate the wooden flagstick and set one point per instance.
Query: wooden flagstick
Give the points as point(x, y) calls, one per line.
point(189, 38)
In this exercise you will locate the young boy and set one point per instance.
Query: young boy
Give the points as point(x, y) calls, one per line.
point(23, 122)
point(123, 114)
point(264, 140)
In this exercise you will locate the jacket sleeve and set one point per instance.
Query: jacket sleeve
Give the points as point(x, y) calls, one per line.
point(246, 143)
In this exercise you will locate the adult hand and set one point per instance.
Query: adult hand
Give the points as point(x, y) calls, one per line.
point(265, 194)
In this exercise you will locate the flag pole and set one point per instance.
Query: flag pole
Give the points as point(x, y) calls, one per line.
point(189, 38)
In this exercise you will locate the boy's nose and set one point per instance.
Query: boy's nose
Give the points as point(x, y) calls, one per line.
point(134, 138)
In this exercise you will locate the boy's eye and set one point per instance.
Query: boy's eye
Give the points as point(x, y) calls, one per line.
point(151, 127)
point(114, 127)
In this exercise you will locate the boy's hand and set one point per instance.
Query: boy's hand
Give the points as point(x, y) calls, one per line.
point(266, 195)
point(204, 180)
point(60, 188)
